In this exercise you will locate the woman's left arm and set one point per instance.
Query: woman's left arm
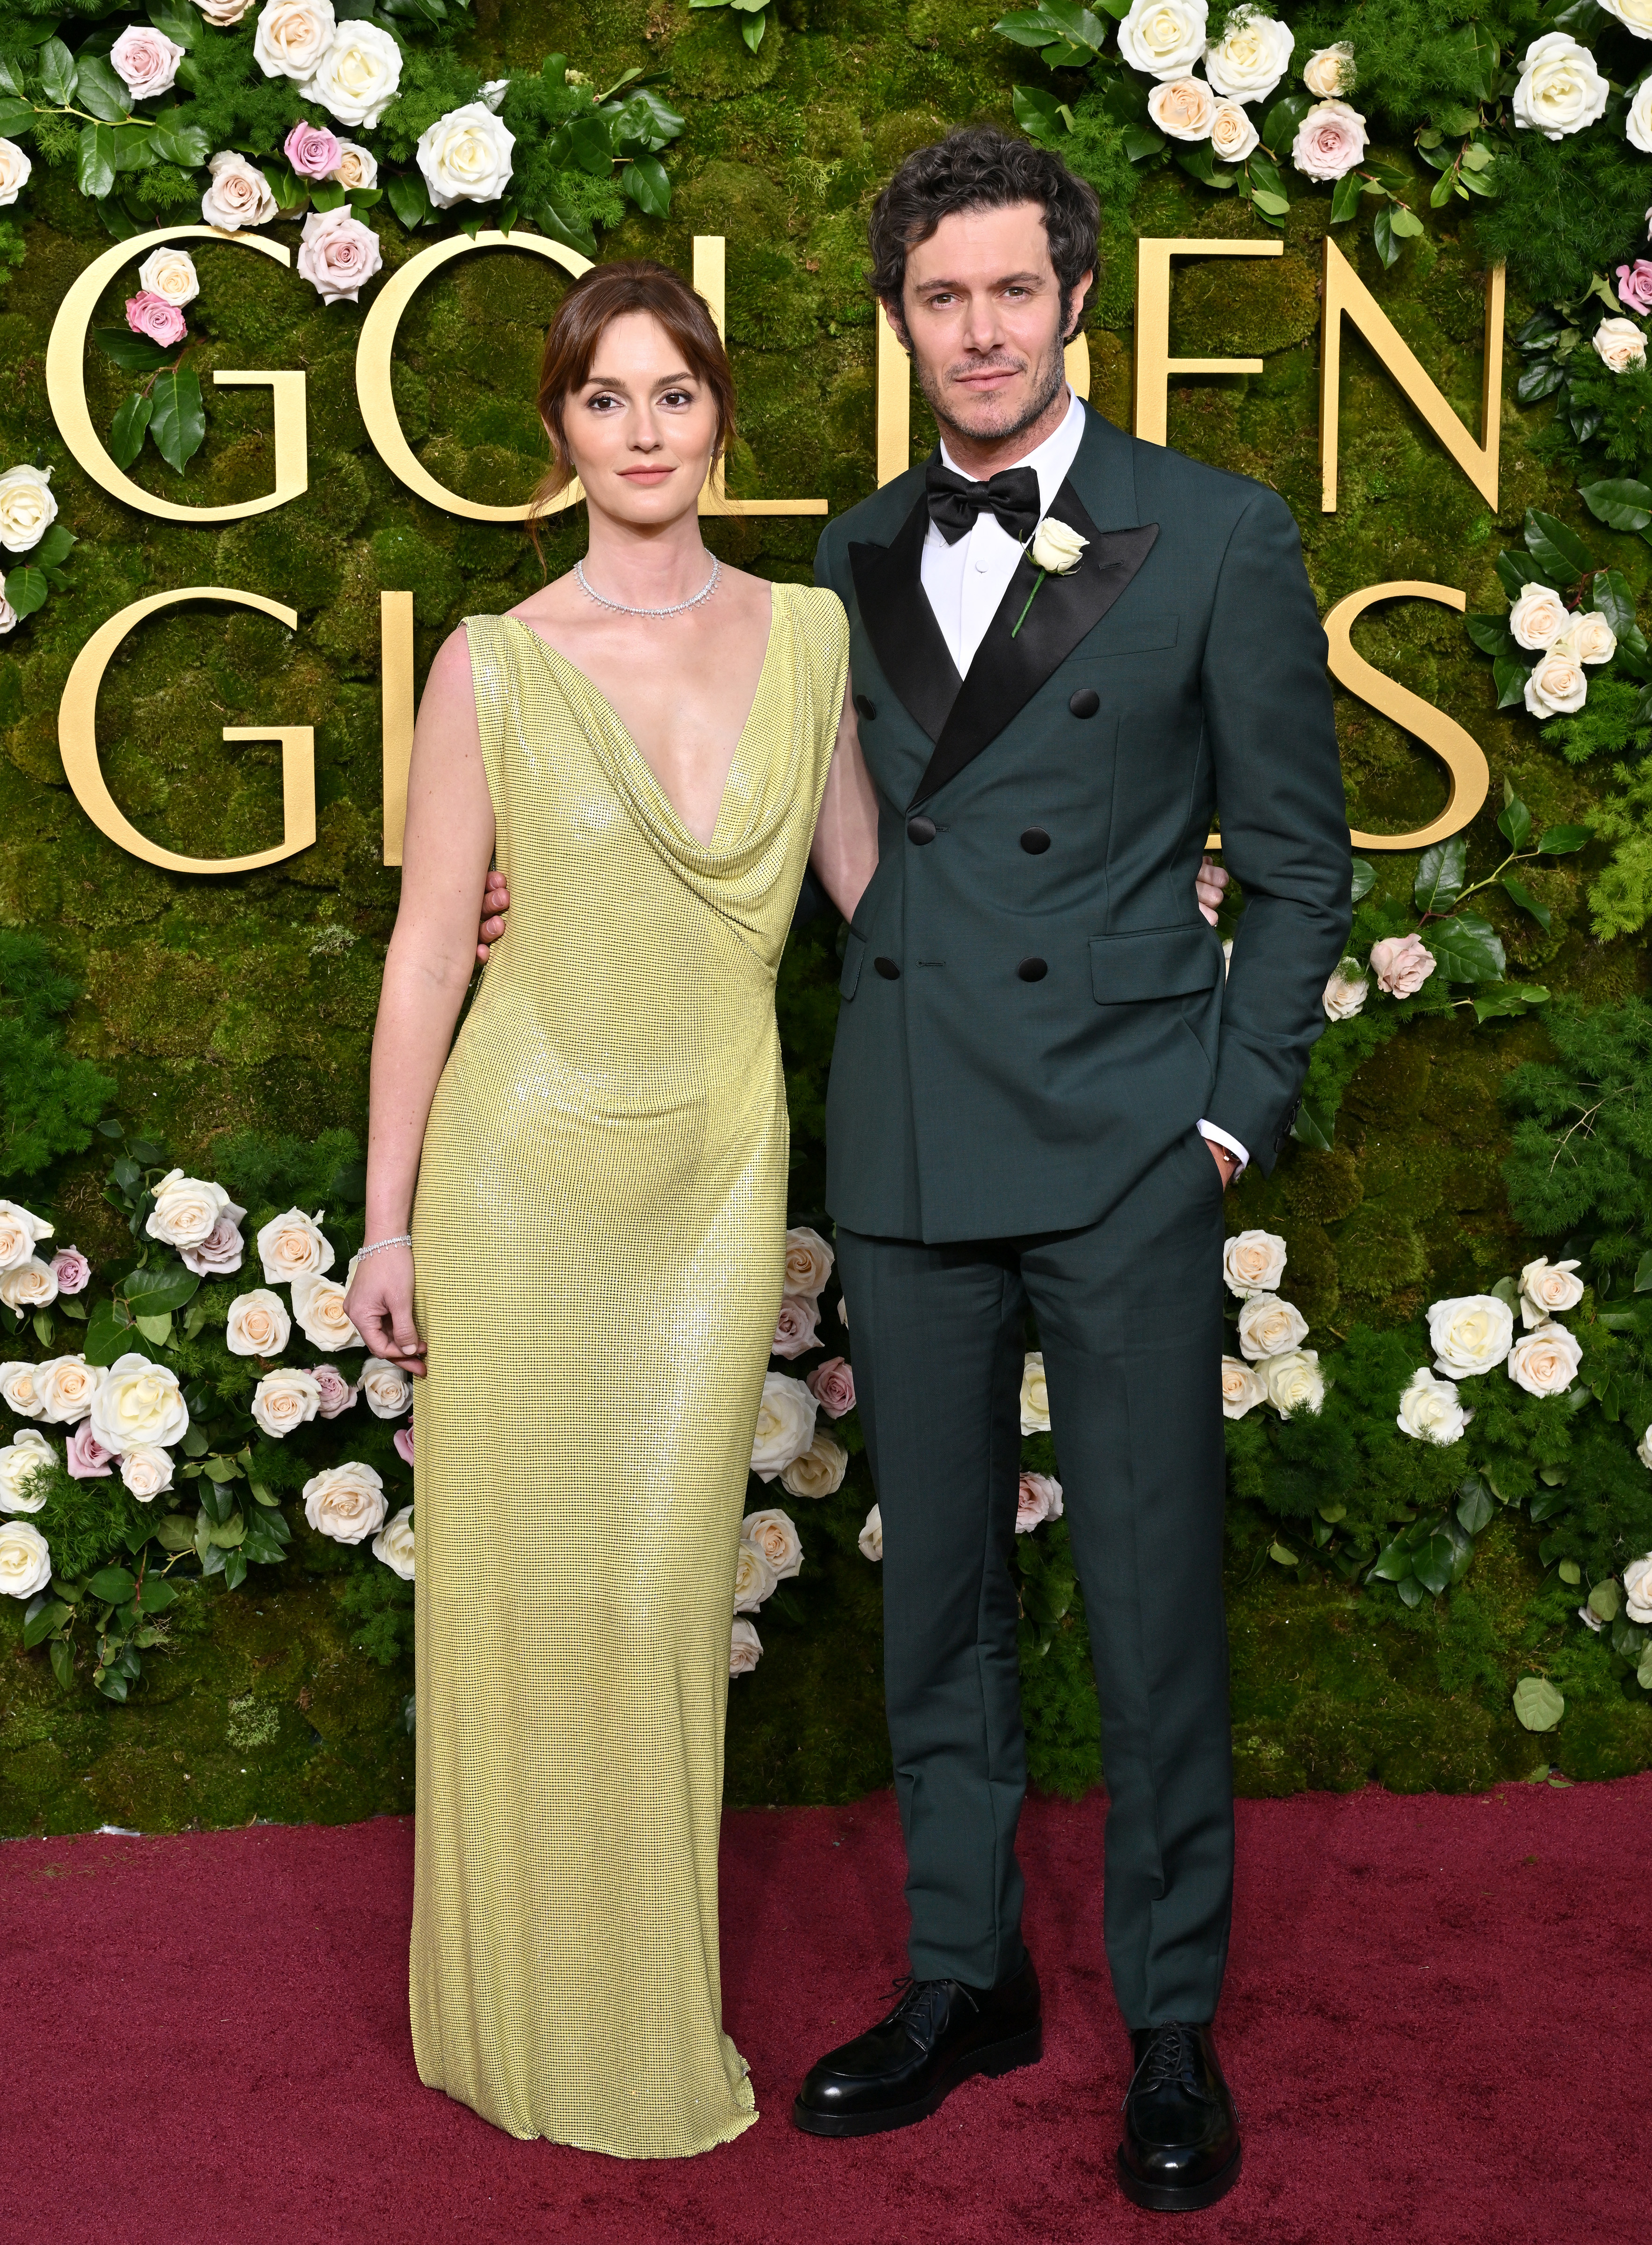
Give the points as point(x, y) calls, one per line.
point(844, 855)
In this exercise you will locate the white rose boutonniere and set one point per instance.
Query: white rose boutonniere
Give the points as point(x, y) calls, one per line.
point(1057, 550)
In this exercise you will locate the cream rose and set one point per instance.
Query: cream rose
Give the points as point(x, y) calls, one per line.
point(346, 1502)
point(292, 36)
point(1545, 1361)
point(1295, 1382)
point(147, 1470)
point(1634, 15)
point(15, 170)
point(291, 1244)
point(27, 510)
point(66, 1387)
point(754, 1579)
point(1346, 991)
point(1330, 70)
point(1330, 142)
point(388, 1388)
point(20, 1460)
point(139, 1402)
point(258, 1325)
point(1430, 1410)
point(357, 166)
point(819, 1471)
point(745, 1648)
point(1402, 964)
point(1242, 1388)
point(1637, 125)
point(145, 61)
point(25, 1560)
point(1637, 1590)
point(1621, 344)
point(1559, 90)
point(1233, 137)
point(1253, 1263)
point(185, 1209)
point(1037, 1498)
point(1035, 1395)
point(785, 1425)
point(1269, 1327)
point(220, 1254)
point(1556, 686)
point(1538, 618)
point(225, 12)
point(19, 1228)
point(1182, 107)
point(1469, 1333)
point(285, 1399)
point(356, 79)
point(1251, 57)
point(796, 1326)
point(28, 1286)
point(238, 195)
point(318, 1304)
point(394, 1543)
point(17, 1389)
point(776, 1537)
point(1057, 547)
point(465, 156)
point(170, 275)
point(1587, 638)
point(338, 255)
point(808, 1263)
point(1164, 37)
point(1547, 1288)
point(870, 1538)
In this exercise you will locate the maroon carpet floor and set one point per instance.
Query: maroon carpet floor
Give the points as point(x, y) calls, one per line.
point(1435, 2024)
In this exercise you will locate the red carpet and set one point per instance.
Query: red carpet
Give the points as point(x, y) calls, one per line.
point(1435, 2024)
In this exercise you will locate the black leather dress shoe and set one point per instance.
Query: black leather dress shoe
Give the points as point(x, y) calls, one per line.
point(938, 2034)
point(1181, 2149)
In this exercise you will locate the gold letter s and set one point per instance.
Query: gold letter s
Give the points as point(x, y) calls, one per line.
point(1459, 751)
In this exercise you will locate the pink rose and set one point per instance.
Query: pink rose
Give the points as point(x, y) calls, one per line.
point(1040, 1499)
point(337, 255)
point(832, 1386)
point(153, 316)
point(797, 1327)
point(144, 60)
point(1329, 140)
point(403, 1440)
point(1402, 964)
point(219, 1253)
point(312, 152)
point(70, 1269)
point(337, 1395)
point(1634, 285)
point(88, 1460)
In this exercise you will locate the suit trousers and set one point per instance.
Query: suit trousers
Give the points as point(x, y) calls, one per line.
point(1128, 1313)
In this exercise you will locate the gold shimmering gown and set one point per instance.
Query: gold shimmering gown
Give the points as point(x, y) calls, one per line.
point(598, 1237)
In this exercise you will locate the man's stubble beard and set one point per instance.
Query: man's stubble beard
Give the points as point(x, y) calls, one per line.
point(1051, 376)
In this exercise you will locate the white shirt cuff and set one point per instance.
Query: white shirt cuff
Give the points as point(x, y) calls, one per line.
point(1222, 1138)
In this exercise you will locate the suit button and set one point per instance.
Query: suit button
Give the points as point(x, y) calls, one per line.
point(1084, 702)
point(888, 969)
point(1032, 970)
point(1035, 841)
point(866, 704)
point(920, 829)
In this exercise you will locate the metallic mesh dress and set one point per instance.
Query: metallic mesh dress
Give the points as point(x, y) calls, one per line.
point(598, 1237)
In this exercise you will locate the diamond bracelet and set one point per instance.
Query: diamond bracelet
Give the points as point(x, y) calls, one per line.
point(402, 1239)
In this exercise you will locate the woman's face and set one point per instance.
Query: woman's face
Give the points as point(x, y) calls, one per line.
point(640, 430)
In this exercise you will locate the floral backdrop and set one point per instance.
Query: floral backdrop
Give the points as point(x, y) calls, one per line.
point(1437, 1388)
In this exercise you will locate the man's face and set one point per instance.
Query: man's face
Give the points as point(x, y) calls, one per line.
point(984, 317)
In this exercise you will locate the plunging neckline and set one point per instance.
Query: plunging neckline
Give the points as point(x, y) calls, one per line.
point(653, 777)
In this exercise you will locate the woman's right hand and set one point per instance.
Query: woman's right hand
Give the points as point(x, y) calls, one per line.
point(380, 1306)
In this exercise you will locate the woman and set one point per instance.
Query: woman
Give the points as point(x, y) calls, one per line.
point(595, 1256)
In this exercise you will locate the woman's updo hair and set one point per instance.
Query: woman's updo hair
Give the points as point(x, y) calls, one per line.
point(608, 293)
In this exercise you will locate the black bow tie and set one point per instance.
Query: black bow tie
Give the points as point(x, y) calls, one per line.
point(955, 501)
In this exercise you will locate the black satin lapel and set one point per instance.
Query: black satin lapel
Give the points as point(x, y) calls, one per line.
point(1008, 671)
point(900, 622)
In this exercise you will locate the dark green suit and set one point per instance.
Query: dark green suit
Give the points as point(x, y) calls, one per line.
point(1034, 1021)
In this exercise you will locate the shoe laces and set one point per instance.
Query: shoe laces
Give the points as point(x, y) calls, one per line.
point(1170, 2056)
point(912, 1993)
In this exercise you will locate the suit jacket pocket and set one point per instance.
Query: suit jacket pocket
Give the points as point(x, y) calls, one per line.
point(1154, 962)
point(854, 951)
point(1108, 639)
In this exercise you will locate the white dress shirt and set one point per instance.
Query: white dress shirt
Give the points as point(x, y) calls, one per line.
point(964, 583)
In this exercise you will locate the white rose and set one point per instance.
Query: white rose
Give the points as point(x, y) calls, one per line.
point(15, 168)
point(1346, 991)
point(1559, 90)
point(870, 1538)
point(20, 1460)
point(292, 36)
point(291, 1244)
point(1587, 638)
point(388, 1388)
point(27, 511)
point(170, 275)
point(28, 1286)
point(1182, 107)
point(1430, 1411)
point(318, 1304)
point(754, 1579)
point(147, 1470)
point(820, 1470)
point(1469, 1333)
point(19, 1228)
point(1253, 1263)
point(785, 1425)
point(1242, 1388)
point(776, 1537)
point(346, 1502)
point(1164, 37)
point(1294, 1381)
point(1643, 1449)
point(17, 1389)
point(1556, 686)
point(1057, 547)
point(1634, 14)
point(1330, 70)
point(1621, 344)
point(139, 1402)
point(394, 1543)
point(808, 1263)
point(185, 1209)
point(1637, 125)
point(1270, 1327)
point(66, 1387)
point(356, 79)
point(1035, 1395)
point(285, 1399)
point(1547, 1288)
point(357, 166)
point(258, 1325)
point(1538, 618)
point(465, 156)
point(25, 1560)
point(1233, 137)
point(745, 1648)
point(239, 195)
point(494, 92)
point(224, 12)
point(145, 61)
point(1545, 1361)
point(1251, 57)
point(1637, 1590)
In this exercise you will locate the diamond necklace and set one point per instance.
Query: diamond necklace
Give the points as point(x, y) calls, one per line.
point(621, 608)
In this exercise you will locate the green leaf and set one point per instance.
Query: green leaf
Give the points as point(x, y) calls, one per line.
point(1314, 1126)
point(101, 92)
point(1394, 1563)
point(592, 145)
point(1643, 1273)
point(1540, 380)
point(155, 1287)
point(1537, 1704)
point(186, 145)
point(1509, 675)
point(645, 180)
point(563, 223)
point(133, 353)
point(1467, 949)
point(1199, 162)
point(1140, 141)
point(56, 546)
point(16, 118)
point(1382, 232)
point(1514, 820)
point(1344, 202)
point(1280, 123)
point(1510, 576)
point(1490, 634)
point(1282, 1554)
point(1029, 27)
point(1616, 603)
point(180, 23)
point(61, 1654)
point(41, 1623)
point(226, 1534)
point(26, 589)
point(1604, 1600)
point(57, 74)
point(1475, 1506)
point(157, 1331)
point(752, 29)
point(1499, 1000)
point(97, 174)
point(1365, 879)
point(110, 1683)
point(1405, 223)
point(1518, 891)
point(1440, 875)
point(1569, 1571)
point(1560, 841)
point(1431, 1563)
point(1550, 541)
point(1036, 112)
point(1442, 191)
point(234, 1569)
point(108, 1332)
point(157, 1594)
point(175, 1533)
point(410, 199)
point(114, 1585)
point(1619, 502)
point(178, 426)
